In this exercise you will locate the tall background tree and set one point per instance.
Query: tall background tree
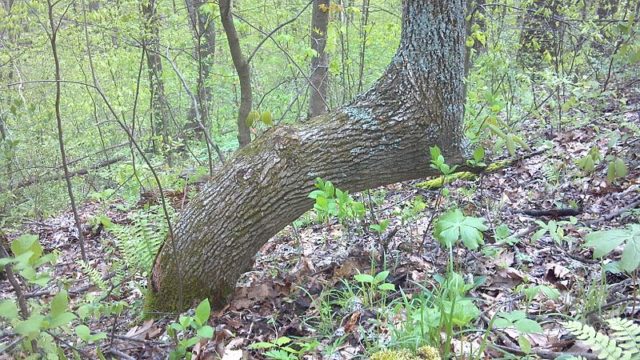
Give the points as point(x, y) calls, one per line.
point(151, 42)
point(318, 101)
point(243, 70)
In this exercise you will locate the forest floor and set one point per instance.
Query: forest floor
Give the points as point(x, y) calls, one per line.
point(295, 286)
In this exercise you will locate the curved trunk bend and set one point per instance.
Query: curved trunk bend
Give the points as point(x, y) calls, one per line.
point(381, 138)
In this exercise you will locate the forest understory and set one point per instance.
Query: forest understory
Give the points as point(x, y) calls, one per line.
point(303, 290)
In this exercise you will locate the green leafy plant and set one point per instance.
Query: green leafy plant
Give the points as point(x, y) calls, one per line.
point(374, 287)
point(285, 348)
point(623, 343)
point(478, 157)
point(507, 139)
point(333, 202)
point(454, 226)
point(555, 230)
point(518, 320)
point(588, 162)
point(438, 163)
point(38, 323)
point(503, 235)
point(616, 169)
point(28, 258)
point(604, 242)
point(432, 313)
point(532, 291)
point(182, 331)
point(380, 227)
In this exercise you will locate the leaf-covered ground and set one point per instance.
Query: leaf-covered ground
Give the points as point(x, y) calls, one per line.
point(295, 286)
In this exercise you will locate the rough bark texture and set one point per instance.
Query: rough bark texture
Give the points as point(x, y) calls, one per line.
point(319, 79)
point(243, 70)
point(381, 138)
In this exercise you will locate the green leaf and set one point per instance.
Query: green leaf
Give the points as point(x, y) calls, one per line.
point(603, 242)
point(26, 243)
point(528, 326)
point(266, 118)
point(31, 327)
point(454, 226)
point(59, 303)
point(7, 261)
point(525, 345)
point(203, 311)
point(83, 332)
point(8, 310)
point(283, 340)
point(478, 154)
point(381, 276)
point(61, 319)
point(205, 332)
point(550, 292)
point(252, 118)
point(279, 355)
point(187, 343)
point(387, 287)
point(364, 278)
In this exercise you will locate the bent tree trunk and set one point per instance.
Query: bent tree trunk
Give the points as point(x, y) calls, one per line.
point(382, 137)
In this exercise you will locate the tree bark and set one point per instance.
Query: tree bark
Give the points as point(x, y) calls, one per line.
point(319, 80)
point(382, 137)
point(159, 110)
point(203, 28)
point(243, 70)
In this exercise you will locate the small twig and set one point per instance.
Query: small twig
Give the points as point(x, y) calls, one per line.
point(71, 292)
point(555, 213)
point(69, 345)
point(545, 353)
point(142, 341)
point(120, 354)
point(11, 345)
point(611, 304)
point(613, 214)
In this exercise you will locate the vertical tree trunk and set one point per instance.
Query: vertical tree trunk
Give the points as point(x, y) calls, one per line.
point(159, 108)
point(540, 31)
point(53, 36)
point(243, 70)
point(364, 32)
point(382, 137)
point(203, 28)
point(319, 79)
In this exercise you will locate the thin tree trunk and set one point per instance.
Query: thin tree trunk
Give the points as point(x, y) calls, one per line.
point(54, 49)
point(319, 79)
point(203, 28)
point(382, 137)
point(364, 32)
point(159, 110)
point(243, 70)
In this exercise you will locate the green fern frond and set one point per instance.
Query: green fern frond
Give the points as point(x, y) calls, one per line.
point(94, 275)
point(139, 241)
point(627, 333)
point(607, 347)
